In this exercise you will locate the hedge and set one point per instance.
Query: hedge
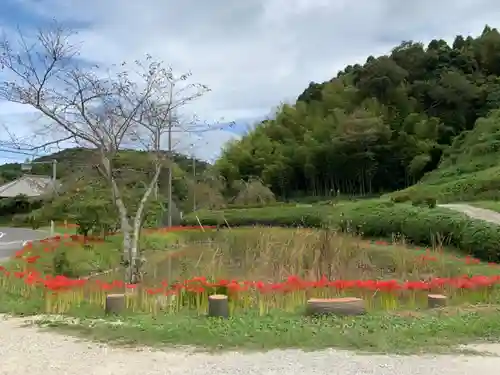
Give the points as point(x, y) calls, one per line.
point(374, 218)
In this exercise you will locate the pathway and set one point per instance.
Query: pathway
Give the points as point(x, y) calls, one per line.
point(28, 350)
point(12, 239)
point(474, 212)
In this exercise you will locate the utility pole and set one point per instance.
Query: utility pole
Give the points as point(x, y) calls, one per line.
point(54, 178)
point(194, 181)
point(170, 156)
point(54, 173)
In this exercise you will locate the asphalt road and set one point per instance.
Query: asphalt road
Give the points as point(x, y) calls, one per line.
point(12, 239)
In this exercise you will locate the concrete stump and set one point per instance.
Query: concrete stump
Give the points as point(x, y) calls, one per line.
point(115, 304)
point(436, 300)
point(335, 306)
point(218, 306)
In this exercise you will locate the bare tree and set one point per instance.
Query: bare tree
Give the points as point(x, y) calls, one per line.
point(105, 109)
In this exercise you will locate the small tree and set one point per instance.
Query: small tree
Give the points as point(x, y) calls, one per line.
point(87, 203)
point(253, 192)
point(105, 109)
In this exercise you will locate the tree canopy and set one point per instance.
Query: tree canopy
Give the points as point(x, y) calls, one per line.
point(376, 127)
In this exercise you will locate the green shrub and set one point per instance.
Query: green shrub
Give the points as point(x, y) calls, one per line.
point(31, 220)
point(272, 216)
point(375, 218)
point(424, 201)
point(401, 198)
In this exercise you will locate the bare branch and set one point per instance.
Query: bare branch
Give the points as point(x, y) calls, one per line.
point(105, 108)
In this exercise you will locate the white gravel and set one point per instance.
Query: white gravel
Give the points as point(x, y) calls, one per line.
point(29, 350)
point(474, 212)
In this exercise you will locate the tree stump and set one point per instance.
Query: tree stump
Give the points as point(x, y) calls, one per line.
point(436, 300)
point(218, 306)
point(335, 306)
point(115, 304)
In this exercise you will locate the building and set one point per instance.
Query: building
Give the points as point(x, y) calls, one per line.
point(30, 186)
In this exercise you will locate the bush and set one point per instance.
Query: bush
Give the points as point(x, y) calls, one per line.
point(424, 201)
point(418, 224)
point(31, 220)
point(272, 216)
point(401, 198)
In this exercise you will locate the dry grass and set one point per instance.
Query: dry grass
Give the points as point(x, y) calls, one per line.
point(274, 254)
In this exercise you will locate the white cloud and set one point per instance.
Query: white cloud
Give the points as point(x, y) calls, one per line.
point(255, 54)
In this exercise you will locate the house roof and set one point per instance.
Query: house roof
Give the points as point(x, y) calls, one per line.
point(28, 185)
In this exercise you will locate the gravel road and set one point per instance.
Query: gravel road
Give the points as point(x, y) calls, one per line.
point(475, 212)
point(12, 239)
point(28, 350)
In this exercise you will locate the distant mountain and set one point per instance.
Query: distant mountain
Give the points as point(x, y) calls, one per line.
point(75, 160)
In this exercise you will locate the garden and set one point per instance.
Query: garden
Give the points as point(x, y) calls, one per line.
point(269, 277)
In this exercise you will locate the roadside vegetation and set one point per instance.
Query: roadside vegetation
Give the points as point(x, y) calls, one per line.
point(269, 274)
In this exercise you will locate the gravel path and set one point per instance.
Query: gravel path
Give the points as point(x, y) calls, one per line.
point(475, 212)
point(28, 350)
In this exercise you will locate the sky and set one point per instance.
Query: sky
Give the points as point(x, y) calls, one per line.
point(252, 54)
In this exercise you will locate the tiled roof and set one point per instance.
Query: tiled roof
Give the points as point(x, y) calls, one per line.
point(28, 185)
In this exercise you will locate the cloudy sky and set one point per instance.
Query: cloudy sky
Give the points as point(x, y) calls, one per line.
point(253, 54)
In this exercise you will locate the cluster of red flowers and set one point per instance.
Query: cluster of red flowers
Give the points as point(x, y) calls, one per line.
point(291, 284)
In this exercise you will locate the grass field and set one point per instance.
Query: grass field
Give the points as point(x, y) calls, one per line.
point(272, 316)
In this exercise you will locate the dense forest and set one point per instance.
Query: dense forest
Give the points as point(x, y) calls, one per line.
point(376, 127)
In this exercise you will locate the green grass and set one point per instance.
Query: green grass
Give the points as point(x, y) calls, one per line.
point(404, 333)
point(375, 218)
point(75, 259)
point(399, 331)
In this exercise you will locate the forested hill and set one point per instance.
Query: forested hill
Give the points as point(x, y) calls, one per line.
point(75, 160)
point(376, 127)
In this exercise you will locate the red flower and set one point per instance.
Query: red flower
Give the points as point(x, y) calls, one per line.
point(416, 285)
point(32, 259)
point(388, 285)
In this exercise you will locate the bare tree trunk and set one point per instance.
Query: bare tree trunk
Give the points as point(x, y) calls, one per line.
point(134, 246)
point(128, 250)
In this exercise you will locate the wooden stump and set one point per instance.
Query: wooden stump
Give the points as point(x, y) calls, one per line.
point(436, 300)
point(218, 306)
point(335, 306)
point(115, 303)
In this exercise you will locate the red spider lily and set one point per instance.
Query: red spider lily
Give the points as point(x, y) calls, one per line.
point(361, 284)
point(416, 285)
point(388, 285)
point(462, 283)
point(19, 253)
point(470, 260)
point(262, 287)
point(483, 281)
point(427, 258)
point(32, 259)
point(154, 291)
point(19, 275)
